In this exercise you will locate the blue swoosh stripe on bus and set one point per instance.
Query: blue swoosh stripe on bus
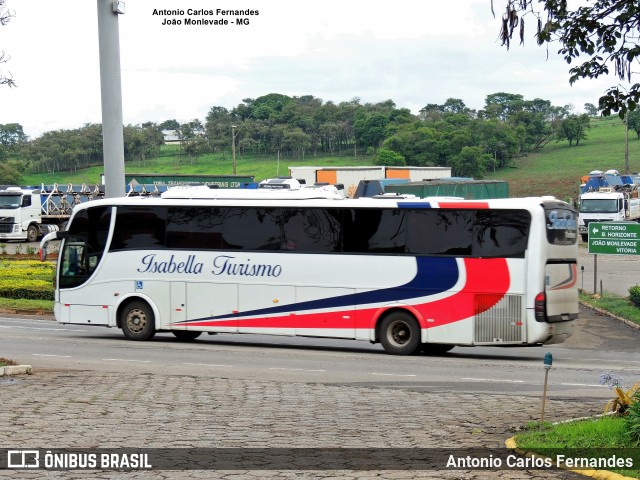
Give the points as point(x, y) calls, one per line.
point(434, 275)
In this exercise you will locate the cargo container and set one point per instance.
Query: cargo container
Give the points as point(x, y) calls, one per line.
point(350, 177)
point(468, 189)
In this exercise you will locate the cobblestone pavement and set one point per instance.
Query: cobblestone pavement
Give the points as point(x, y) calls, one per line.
point(76, 409)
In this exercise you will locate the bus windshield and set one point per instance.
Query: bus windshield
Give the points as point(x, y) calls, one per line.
point(84, 246)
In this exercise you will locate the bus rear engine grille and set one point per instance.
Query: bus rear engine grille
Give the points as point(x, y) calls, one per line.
point(501, 323)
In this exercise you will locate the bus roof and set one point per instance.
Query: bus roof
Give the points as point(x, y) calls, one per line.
point(283, 198)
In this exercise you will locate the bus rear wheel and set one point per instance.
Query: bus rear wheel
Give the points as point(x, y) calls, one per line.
point(186, 335)
point(137, 321)
point(400, 334)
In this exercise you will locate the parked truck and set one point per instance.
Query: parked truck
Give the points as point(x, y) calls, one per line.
point(26, 213)
point(607, 197)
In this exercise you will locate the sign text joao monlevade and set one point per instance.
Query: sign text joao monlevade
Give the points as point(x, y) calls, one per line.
point(614, 238)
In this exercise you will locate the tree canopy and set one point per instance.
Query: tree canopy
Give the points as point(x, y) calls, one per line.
point(598, 37)
point(470, 142)
point(5, 16)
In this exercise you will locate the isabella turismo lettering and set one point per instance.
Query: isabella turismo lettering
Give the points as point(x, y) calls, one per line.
point(222, 265)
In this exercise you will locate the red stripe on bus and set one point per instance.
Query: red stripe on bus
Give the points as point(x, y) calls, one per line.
point(466, 205)
point(489, 277)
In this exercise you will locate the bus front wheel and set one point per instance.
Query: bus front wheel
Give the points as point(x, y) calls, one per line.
point(400, 334)
point(138, 321)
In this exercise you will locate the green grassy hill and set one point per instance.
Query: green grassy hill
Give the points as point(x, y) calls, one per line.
point(555, 170)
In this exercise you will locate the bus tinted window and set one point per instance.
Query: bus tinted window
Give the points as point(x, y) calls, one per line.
point(194, 227)
point(466, 232)
point(311, 230)
point(477, 233)
point(252, 228)
point(139, 227)
point(389, 232)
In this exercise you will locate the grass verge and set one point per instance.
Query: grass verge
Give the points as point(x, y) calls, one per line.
point(618, 306)
point(600, 438)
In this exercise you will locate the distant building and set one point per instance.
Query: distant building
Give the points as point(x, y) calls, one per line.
point(170, 136)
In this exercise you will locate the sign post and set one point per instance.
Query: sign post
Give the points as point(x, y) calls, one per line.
point(612, 238)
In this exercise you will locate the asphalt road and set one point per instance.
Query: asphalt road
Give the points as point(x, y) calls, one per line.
point(93, 389)
point(600, 344)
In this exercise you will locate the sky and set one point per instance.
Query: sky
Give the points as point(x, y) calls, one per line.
point(414, 52)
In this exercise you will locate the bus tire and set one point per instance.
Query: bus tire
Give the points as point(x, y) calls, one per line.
point(585, 237)
point(435, 348)
point(400, 334)
point(137, 321)
point(186, 335)
point(33, 232)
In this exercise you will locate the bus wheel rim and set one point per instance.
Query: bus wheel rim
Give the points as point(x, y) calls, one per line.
point(399, 333)
point(136, 321)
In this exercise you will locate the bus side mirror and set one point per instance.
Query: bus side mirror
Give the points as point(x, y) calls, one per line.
point(45, 242)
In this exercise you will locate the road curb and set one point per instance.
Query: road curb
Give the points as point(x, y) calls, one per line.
point(16, 370)
point(609, 314)
point(511, 444)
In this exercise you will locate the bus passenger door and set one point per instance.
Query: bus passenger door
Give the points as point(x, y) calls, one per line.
point(325, 312)
point(212, 307)
point(267, 309)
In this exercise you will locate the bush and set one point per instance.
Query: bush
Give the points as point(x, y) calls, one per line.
point(632, 420)
point(634, 295)
point(28, 289)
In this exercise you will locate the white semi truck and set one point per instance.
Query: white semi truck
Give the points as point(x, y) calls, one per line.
point(26, 213)
point(607, 205)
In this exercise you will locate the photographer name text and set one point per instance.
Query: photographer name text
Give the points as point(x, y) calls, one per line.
point(205, 17)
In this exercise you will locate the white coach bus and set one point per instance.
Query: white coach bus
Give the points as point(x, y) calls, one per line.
point(411, 274)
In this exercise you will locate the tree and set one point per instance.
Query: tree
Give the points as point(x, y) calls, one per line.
point(574, 128)
point(172, 124)
point(591, 109)
point(502, 105)
point(9, 174)
point(389, 158)
point(633, 122)
point(604, 33)
point(12, 134)
point(471, 162)
point(5, 16)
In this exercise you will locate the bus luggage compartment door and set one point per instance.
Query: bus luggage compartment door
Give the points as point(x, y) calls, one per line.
point(212, 307)
point(89, 314)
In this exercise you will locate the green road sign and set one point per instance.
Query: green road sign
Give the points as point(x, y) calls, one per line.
point(614, 238)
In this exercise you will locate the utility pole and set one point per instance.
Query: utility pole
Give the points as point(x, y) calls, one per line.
point(626, 144)
point(233, 147)
point(111, 94)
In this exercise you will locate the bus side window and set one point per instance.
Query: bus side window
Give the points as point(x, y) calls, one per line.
point(311, 230)
point(252, 228)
